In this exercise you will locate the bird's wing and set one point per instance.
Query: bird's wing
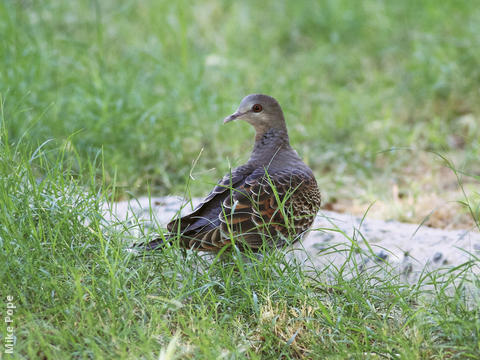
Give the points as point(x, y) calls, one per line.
point(262, 208)
point(205, 215)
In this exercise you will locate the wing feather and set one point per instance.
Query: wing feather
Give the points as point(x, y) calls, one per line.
point(256, 207)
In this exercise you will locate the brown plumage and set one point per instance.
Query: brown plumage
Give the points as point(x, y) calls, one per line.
point(272, 198)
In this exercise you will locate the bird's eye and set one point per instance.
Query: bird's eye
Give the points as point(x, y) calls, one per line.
point(257, 108)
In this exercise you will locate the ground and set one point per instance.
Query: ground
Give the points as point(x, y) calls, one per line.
point(408, 250)
point(428, 192)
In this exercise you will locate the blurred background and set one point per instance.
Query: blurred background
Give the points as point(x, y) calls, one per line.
point(373, 92)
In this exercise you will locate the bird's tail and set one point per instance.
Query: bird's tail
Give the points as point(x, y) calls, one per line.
point(156, 244)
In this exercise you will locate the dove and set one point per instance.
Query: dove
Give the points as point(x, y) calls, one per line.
point(269, 201)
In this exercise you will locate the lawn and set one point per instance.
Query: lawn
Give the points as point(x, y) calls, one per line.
point(105, 100)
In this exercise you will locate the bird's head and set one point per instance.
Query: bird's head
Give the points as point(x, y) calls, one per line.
point(263, 112)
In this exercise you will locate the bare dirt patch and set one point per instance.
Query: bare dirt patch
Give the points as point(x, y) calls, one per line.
point(424, 193)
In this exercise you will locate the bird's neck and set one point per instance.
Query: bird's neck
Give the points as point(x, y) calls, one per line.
point(269, 144)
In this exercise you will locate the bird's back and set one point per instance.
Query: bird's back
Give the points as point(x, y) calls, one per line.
point(255, 204)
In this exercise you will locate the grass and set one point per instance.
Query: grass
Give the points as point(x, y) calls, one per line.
point(79, 294)
point(100, 100)
point(149, 83)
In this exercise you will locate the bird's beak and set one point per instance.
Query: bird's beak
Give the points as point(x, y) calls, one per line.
point(232, 117)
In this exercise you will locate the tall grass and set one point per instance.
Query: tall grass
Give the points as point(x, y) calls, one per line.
point(79, 294)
